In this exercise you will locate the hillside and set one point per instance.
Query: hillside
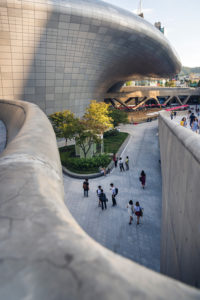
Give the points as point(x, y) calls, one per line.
point(188, 70)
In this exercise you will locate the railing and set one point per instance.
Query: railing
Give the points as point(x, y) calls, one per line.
point(44, 254)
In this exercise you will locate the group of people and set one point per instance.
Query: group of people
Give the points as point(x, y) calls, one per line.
point(102, 196)
point(102, 199)
point(193, 121)
point(134, 210)
point(121, 162)
point(173, 114)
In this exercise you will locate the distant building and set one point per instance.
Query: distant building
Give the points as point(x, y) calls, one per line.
point(194, 76)
point(147, 82)
point(158, 26)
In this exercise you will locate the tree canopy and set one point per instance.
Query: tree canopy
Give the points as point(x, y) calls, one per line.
point(97, 116)
point(63, 124)
point(118, 116)
point(84, 130)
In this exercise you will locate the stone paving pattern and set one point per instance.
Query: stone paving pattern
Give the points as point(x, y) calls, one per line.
point(110, 227)
point(2, 136)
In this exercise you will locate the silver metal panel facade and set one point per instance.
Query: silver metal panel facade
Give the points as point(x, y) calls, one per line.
point(62, 54)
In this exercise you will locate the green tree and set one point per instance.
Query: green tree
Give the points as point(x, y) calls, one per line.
point(63, 124)
point(198, 84)
point(85, 135)
point(128, 83)
point(118, 116)
point(85, 131)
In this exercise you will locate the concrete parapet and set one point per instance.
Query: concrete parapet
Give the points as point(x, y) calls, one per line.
point(44, 254)
point(180, 160)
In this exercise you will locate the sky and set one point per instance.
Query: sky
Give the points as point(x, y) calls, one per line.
point(181, 19)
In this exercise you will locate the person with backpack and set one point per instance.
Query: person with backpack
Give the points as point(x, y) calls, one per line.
point(103, 200)
point(138, 211)
point(86, 187)
point(143, 178)
point(98, 194)
point(114, 194)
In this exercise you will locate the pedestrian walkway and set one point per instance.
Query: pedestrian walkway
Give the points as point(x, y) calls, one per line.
point(2, 136)
point(110, 227)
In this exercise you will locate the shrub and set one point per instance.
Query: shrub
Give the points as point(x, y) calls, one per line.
point(112, 132)
point(85, 164)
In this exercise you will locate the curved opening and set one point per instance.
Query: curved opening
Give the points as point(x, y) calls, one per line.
point(13, 116)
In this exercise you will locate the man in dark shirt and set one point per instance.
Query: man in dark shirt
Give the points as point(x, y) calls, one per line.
point(192, 117)
point(103, 200)
point(86, 187)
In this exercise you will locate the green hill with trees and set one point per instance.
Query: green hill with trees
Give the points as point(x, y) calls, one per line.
point(188, 70)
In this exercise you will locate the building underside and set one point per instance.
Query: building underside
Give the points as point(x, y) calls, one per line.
point(62, 54)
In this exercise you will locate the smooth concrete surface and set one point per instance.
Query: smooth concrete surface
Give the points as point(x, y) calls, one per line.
point(110, 228)
point(62, 54)
point(44, 254)
point(180, 160)
point(2, 136)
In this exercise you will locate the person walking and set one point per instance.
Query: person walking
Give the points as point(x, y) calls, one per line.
point(138, 211)
point(182, 121)
point(86, 187)
point(121, 164)
point(114, 194)
point(130, 211)
point(185, 122)
point(115, 160)
point(127, 163)
point(171, 115)
point(103, 200)
point(98, 194)
point(195, 125)
point(143, 178)
point(192, 117)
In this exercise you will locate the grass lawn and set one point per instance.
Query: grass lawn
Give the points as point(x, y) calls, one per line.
point(111, 145)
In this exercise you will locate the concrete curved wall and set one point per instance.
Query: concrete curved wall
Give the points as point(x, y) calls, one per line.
point(62, 54)
point(180, 160)
point(44, 254)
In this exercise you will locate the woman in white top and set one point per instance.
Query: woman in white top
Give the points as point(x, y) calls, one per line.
point(138, 211)
point(130, 211)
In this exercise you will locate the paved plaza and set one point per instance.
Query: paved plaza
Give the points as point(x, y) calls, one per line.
point(110, 227)
point(2, 136)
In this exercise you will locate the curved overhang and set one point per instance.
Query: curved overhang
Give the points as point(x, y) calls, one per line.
point(62, 54)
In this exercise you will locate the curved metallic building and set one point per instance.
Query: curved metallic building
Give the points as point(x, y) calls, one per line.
point(60, 54)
